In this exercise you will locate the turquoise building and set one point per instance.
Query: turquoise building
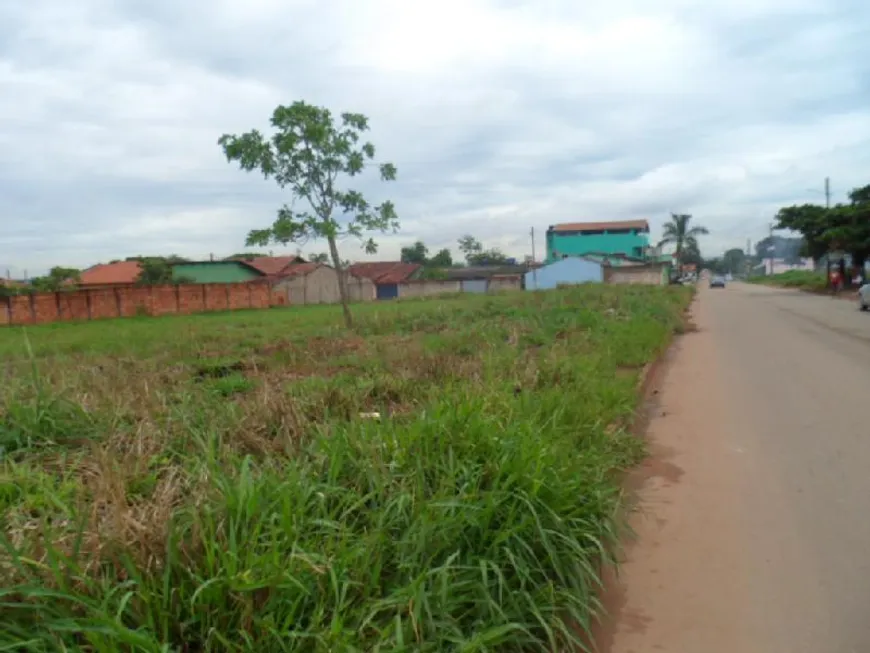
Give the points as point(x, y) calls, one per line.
point(629, 238)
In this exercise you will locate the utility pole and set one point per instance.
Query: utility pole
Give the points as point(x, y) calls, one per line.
point(827, 192)
point(534, 261)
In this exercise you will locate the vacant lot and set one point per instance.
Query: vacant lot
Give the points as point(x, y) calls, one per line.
point(803, 279)
point(211, 483)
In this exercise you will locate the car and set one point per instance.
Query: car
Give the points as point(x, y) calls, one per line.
point(717, 282)
point(864, 297)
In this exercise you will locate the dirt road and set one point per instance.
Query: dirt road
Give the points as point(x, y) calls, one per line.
point(754, 529)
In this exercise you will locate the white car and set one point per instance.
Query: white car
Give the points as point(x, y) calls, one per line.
point(864, 297)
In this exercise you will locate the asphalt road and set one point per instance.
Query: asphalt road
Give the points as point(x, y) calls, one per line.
point(754, 528)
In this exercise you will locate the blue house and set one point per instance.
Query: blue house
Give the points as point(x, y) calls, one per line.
point(570, 270)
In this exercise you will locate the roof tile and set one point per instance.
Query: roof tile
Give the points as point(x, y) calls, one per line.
point(122, 272)
point(601, 226)
point(385, 271)
point(272, 265)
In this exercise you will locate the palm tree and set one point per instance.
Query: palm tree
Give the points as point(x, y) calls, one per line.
point(678, 232)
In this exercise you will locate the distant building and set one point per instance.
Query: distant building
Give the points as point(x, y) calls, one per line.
point(567, 271)
point(386, 275)
point(109, 275)
point(629, 238)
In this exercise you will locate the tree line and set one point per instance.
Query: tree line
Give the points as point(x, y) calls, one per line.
point(840, 229)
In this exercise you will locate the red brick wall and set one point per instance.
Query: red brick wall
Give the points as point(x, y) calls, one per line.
point(102, 303)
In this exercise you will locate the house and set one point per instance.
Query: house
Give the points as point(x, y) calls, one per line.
point(567, 271)
point(386, 276)
point(109, 275)
point(317, 283)
point(628, 237)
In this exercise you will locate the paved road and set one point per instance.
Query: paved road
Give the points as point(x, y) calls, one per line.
point(754, 533)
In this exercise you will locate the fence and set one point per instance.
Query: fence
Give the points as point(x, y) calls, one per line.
point(127, 301)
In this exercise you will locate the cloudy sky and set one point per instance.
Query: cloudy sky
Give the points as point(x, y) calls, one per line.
point(501, 115)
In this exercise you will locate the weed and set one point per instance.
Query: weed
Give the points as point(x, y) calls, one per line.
point(208, 482)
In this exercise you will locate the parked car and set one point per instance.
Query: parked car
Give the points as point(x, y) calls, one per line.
point(864, 297)
point(717, 282)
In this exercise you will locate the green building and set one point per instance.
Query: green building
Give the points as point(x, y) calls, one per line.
point(216, 272)
point(628, 238)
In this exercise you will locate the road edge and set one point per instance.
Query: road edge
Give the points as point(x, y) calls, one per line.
point(611, 595)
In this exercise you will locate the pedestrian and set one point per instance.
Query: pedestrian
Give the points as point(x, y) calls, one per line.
point(836, 280)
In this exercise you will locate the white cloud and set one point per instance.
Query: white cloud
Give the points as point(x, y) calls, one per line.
point(501, 115)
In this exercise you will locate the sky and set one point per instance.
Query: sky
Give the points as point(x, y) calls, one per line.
point(500, 115)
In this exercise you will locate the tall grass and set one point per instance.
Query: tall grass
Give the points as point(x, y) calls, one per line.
point(809, 280)
point(473, 516)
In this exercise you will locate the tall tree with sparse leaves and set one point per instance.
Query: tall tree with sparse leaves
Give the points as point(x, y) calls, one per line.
point(314, 154)
point(680, 233)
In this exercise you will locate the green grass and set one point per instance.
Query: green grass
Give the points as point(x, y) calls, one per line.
point(802, 279)
point(207, 483)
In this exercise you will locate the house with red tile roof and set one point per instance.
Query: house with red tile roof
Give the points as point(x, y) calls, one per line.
point(109, 275)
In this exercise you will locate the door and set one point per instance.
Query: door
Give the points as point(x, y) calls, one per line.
point(388, 290)
point(474, 285)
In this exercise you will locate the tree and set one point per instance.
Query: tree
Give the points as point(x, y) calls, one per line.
point(476, 255)
point(443, 259)
point(811, 221)
point(682, 235)
point(155, 271)
point(322, 257)
point(734, 261)
point(416, 253)
point(469, 246)
point(310, 153)
point(54, 280)
point(247, 256)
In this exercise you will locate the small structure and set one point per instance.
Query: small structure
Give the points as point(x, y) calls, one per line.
point(568, 271)
point(386, 276)
point(626, 237)
point(317, 283)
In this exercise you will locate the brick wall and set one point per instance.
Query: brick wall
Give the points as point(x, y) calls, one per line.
point(127, 301)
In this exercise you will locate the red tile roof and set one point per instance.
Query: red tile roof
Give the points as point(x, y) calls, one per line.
point(109, 274)
point(271, 265)
point(299, 269)
point(601, 226)
point(385, 272)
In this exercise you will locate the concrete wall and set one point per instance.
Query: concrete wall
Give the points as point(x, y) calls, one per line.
point(568, 271)
point(497, 284)
point(652, 275)
point(320, 286)
point(428, 287)
point(96, 304)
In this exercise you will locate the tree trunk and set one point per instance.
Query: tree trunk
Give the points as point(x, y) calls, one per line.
point(342, 282)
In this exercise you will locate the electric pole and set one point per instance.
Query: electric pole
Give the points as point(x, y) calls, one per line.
point(827, 192)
